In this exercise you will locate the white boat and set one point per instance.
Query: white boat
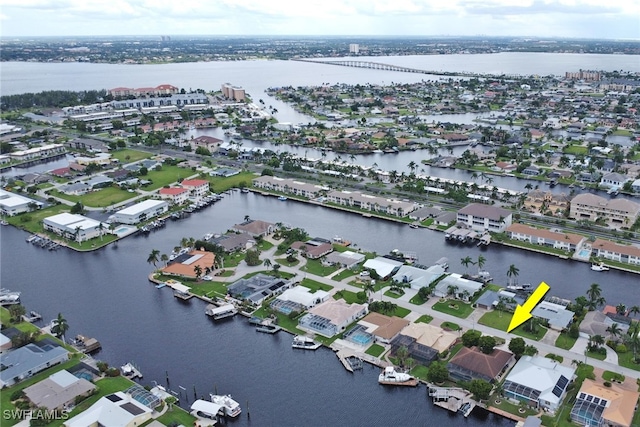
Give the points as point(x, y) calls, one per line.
point(599, 267)
point(8, 297)
point(524, 287)
point(305, 343)
point(230, 407)
point(130, 371)
point(282, 198)
point(391, 377)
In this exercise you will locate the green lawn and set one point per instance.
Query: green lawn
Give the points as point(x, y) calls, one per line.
point(401, 312)
point(454, 308)
point(314, 266)
point(417, 300)
point(500, 320)
point(610, 376)
point(598, 356)
point(348, 296)
point(565, 342)
point(176, 416)
point(626, 360)
point(512, 408)
point(209, 289)
point(167, 175)
point(284, 321)
point(392, 294)
point(375, 350)
point(32, 221)
point(575, 149)
point(344, 274)
point(129, 156)
point(420, 371)
point(98, 199)
point(221, 184)
point(451, 326)
point(425, 318)
point(287, 263)
point(314, 286)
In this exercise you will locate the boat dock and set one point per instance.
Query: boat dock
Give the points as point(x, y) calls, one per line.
point(86, 344)
point(32, 317)
point(453, 399)
point(130, 371)
point(350, 361)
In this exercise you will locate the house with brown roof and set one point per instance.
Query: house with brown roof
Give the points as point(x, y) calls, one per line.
point(383, 328)
point(255, 227)
point(481, 217)
point(185, 267)
point(543, 201)
point(618, 212)
point(208, 142)
point(431, 336)
point(59, 390)
point(471, 363)
point(597, 405)
point(545, 237)
point(313, 249)
point(622, 253)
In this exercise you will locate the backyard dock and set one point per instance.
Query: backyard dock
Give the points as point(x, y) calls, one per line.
point(453, 399)
point(350, 361)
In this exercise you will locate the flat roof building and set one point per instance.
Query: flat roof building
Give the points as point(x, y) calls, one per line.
point(141, 211)
point(13, 204)
point(74, 226)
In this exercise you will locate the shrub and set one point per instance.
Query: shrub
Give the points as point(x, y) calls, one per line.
point(113, 372)
point(18, 394)
point(607, 384)
point(621, 348)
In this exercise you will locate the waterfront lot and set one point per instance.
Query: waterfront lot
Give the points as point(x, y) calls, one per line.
point(97, 199)
point(129, 156)
point(500, 320)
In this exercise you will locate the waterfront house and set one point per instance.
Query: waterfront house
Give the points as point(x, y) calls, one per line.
point(613, 180)
point(27, 361)
point(616, 212)
point(209, 143)
point(299, 299)
point(231, 242)
point(346, 259)
point(58, 391)
point(543, 201)
point(418, 277)
point(597, 322)
point(628, 254)
point(5, 343)
point(383, 328)
point(384, 267)
point(118, 409)
point(462, 288)
point(331, 317)
point(539, 382)
point(196, 187)
point(597, 405)
point(100, 159)
point(185, 266)
point(314, 248)
point(482, 217)
point(176, 195)
point(13, 204)
point(471, 363)
point(255, 228)
point(257, 288)
point(424, 341)
point(545, 237)
point(141, 212)
point(74, 226)
point(37, 152)
point(556, 315)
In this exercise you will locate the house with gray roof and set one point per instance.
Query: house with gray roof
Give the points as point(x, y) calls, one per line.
point(258, 288)
point(613, 180)
point(418, 277)
point(482, 217)
point(558, 317)
point(24, 362)
point(464, 288)
point(59, 390)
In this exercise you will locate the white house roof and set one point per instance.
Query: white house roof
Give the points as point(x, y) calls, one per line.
point(455, 279)
point(541, 374)
point(206, 407)
point(556, 314)
point(141, 207)
point(114, 410)
point(382, 266)
point(303, 296)
point(74, 221)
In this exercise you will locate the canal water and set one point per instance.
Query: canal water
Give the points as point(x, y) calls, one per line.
point(106, 294)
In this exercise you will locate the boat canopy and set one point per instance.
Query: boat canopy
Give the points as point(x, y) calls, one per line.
point(208, 408)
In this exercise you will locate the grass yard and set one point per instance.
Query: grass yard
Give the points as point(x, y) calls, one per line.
point(314, 266)
point(626, 360)
point(509, 407)
point(129, 156)
point(375, 350)
point(454, 308)
point(401, 312)
point(348, 296)
point(500, 320)
point(420, 371)
point(596, 355)
point(417, 300)
point(392, 294)
point(425, 318)
point(32, 221)
point(286, 262)
point(98, 199)
point(167, 175)
point(209, 289)
point(346, 273)
point(450, 326)
point(612, 376)
point(176, 416)
point(220, 184)
point(314, 286)
point(565, 342)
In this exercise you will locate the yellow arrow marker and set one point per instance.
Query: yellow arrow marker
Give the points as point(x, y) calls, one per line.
point(523, 312)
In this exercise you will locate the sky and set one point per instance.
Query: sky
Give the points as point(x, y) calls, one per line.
point(609, 19)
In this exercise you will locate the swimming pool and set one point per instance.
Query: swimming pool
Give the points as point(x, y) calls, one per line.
point(359, 335)
point(122, 230)
point(584, 253)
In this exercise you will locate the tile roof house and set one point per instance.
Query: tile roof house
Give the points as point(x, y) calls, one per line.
point(471, 363)
point(255, 227)
point(616, 212)
point(331, 317)
point(186, 268)
point(597, 405)
point(544, 237)
point(539, 382)
point(59, 390)
point(383, 328)
point(313, 249)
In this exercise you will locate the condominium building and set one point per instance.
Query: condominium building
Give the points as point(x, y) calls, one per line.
point(616, 212)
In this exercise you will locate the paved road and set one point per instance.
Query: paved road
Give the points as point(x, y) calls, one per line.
point(543, 346)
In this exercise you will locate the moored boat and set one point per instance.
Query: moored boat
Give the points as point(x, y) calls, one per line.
point(599, 267)
point(389, 376)
point(305, 343)
point(230, 408)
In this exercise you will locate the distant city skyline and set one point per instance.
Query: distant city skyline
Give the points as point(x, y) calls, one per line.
point(591, 19)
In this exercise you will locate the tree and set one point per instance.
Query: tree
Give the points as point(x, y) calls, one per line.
point(16, 311)
point(614, 331)
point(267, 263)
point(252, 257)
point(480, 262)
point(153, 257)
point(634, 310)
point(517, 347)
point(466, 261)
point(594, 293)
point(621, 309)
point(402, 353)
point(369, 288)
point(276, 269)
point(438, 372)
point(198, 271)
point(513, 273)
point(247, 218)
point(78, 208)
point(164, 258)
point(451, 290)
point(60, 326)
point(471, 338)
point(487, 343)
point(480, 388)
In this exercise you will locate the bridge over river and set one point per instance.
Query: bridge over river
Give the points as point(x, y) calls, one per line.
point(390, 67)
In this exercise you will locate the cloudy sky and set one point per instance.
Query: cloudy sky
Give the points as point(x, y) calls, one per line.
point(612, 19)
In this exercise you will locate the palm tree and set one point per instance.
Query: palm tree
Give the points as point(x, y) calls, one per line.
point(369, 288)
point(595, 296)
point(466, 261)
point(480, 262)
point(597, 340)
point(198, 271)
point(614, 331)
point(512, 273)
point(247, 218)
point(451, 290)
point(634, 310)
point(267, 263)
point(60, 326)
point(276, 269)
point(153, 257)
point(164, 258)
point(621, 309)
point(101, 229)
